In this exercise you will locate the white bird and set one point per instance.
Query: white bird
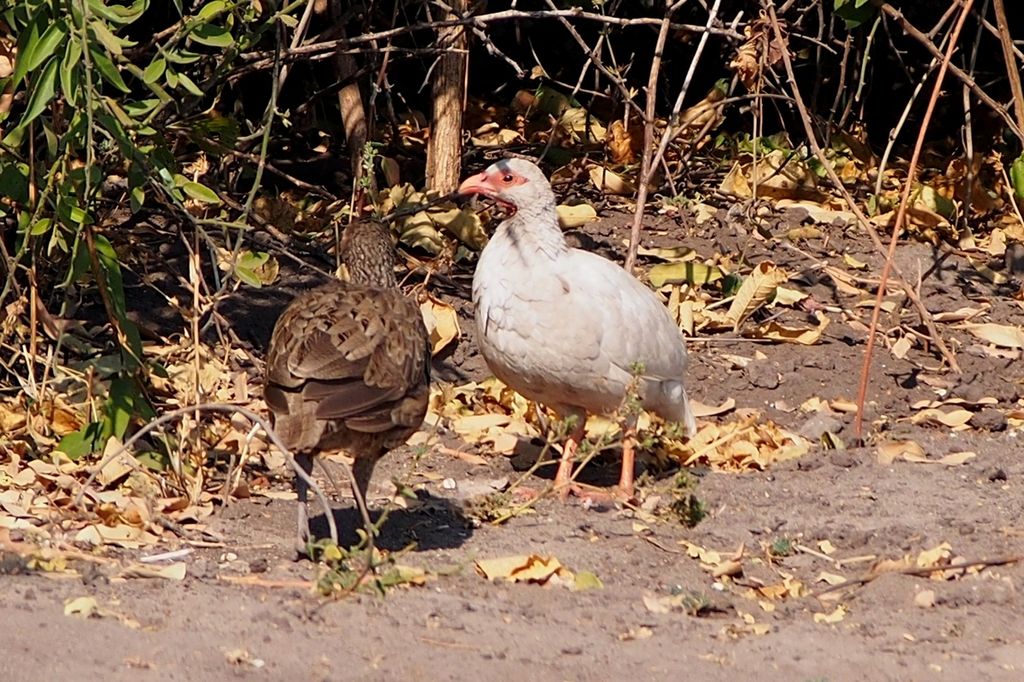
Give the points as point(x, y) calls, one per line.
point(568, 328)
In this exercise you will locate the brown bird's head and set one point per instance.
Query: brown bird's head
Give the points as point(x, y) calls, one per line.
point(519, 185)
point(368, 254)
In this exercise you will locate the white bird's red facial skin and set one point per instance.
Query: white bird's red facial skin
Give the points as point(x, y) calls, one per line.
point(492, 184)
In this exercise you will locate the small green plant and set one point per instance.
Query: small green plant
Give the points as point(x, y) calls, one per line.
point(686, 506)
point(781, 547)
point(693, 604)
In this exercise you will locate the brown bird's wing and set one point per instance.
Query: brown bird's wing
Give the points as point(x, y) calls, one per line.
point(357, 356)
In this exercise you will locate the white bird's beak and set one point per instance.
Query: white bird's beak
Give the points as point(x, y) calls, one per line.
point(477, 184)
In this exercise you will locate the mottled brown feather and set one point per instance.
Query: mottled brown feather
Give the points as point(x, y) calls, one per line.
point(348, 363)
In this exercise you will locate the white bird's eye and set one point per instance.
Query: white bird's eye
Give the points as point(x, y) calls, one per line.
point(507, 178)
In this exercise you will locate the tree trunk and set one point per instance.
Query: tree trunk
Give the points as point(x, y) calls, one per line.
point(444, 148)
point(353, 115)
point(350, 103)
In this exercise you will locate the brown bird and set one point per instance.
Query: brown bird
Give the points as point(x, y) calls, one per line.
point(349, 364)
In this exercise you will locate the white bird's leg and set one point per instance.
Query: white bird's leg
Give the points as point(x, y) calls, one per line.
point(563, 479)
point(628, 459)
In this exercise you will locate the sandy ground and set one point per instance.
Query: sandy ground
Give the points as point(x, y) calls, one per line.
point(245, 608)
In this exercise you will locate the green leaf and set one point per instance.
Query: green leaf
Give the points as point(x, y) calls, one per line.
point(190, 85)
point(27, 42)
point(180, 56)
point(154, 70)
point(48, 43)
point(247, 276)
point(1017, 176)
point(137, 198)
point(42, 93)
point(255, 268)
point(140, 108)
point(108, 70)
point(14, 181)
point(110, 41)
point(41, 226)
point(212, 9)
point(118, 14)
point(84, 441)
point(200, 192)
point(212, 36)
point(80, 263)
point(124, 402)
point(69, 73)
point(854, 13)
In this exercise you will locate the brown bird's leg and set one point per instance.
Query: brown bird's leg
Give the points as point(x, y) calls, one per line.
point(362, 469)
point(563, 479)
point(301, 489)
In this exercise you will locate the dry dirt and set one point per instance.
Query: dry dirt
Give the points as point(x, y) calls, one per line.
point(458, 626)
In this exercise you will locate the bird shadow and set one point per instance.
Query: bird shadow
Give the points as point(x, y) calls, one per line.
point(601, 472)
point(428, 523)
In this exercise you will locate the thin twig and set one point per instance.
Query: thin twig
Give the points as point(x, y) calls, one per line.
point(862, 220)
point(858, 423)
point(228, 409)
point(651, 162)
point(956, 71)
point(1012, 72)
point(481, 21)
point(918, 571)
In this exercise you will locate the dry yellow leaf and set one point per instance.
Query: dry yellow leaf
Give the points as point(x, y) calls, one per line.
point(955, 419)
point(83, 607)
point(468, 425)
point(935, 557)
point(173, 571)
point(12, 417)
point(831, 618)
point(925, 599)
point(1002, 335)
point(619, 144)
point(853, 263)
point(805, 232)
point(785, 296)
point(493, 135)
point(575, 215)
point(901, 347)
point(957, 458)
point(673, 253)
point(757, 289)
point(805, 336)
point(776, 175)
point(610, 182)
point(904, 449)
point(582, 126)
point(699, 409)
point(830, 578)
point(442, 323)
point(121, 535)
point(530, 568)
point(118, 466)
point(691, 272)
point(960, 314)
point(641, 632)
point(843, 405)
point(996, 243)
point(704, 115)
